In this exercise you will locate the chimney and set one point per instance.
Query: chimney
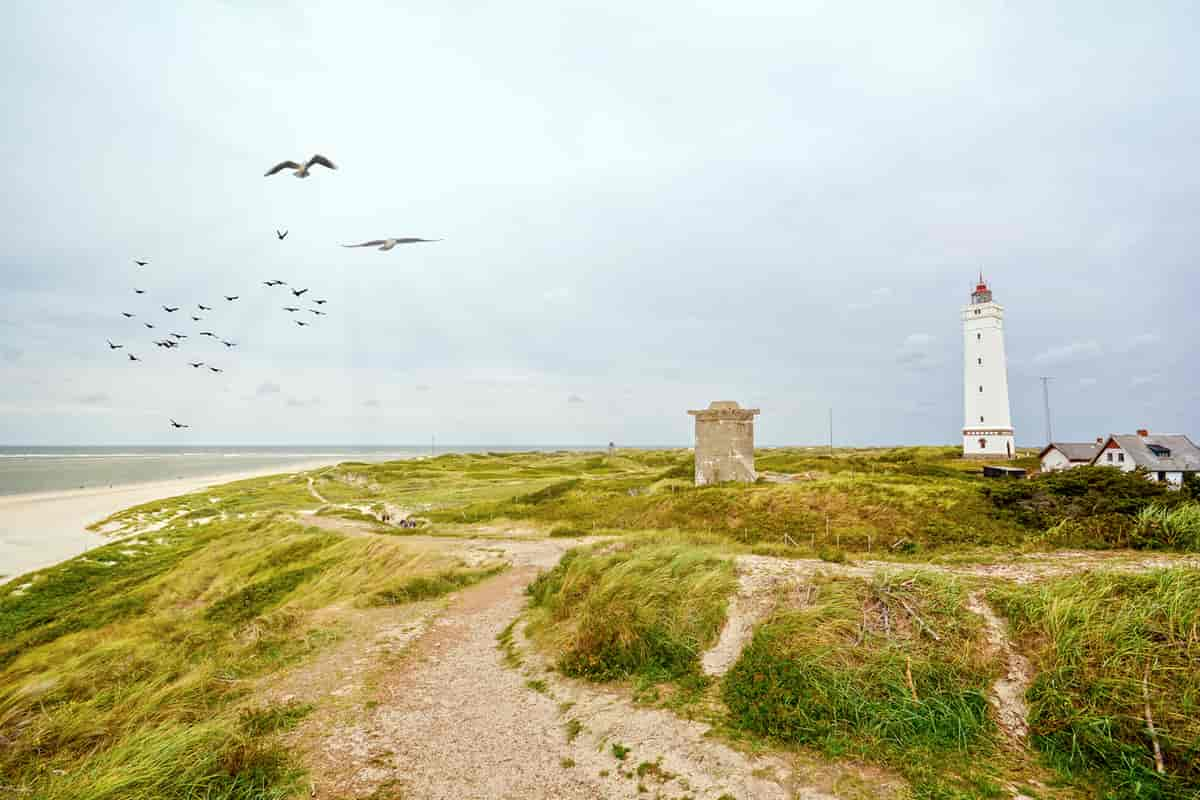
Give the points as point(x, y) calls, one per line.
point(1142, 432)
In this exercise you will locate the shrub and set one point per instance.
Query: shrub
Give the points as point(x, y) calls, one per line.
point(1176, 528)
point(1047, 499)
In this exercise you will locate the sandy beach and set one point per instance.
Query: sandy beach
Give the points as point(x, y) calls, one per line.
point(38, 530)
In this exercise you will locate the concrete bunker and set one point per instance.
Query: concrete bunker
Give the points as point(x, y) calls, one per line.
point(724, 443)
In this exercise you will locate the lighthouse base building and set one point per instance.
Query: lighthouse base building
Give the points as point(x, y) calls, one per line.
point(987, 426)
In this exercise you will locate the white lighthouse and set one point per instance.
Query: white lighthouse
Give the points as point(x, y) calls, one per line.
point(987, 425)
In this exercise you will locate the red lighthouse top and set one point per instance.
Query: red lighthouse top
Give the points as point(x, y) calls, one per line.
point(982, 293)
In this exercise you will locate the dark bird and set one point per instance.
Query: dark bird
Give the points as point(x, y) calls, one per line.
point(208, 333)
point(301, 323)
point(318, 313)
point(300, 170)
point(147, 324)
point(299, 292)
point(140, 263)
point(275, 283)
point(139, 291)
point(290, 308)
point(196, 364)
point(228, 344)
point(231, 297)
point(159, 343)
point(388, 244)
point(170, 309)
point(112, 346)
point(179, 335)
point(282, 235)
point(215, 369)
point(203, 307)
point(195, 319)
point(175, 424)
point(132, 357)
point(320, 302)
point(126, 315)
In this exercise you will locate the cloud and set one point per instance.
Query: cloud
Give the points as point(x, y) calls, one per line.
point(877, 297)
point(917, 351)
point(94, 399)
point(1075, 351)
point(266, 388)
point(574, 400)
point(296, 402)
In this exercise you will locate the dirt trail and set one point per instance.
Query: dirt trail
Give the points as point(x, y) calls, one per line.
point(451, 720)
point(1008, 692)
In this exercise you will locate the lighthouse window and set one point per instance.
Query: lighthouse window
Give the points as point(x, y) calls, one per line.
point(981, 419)
point(980, 360)
point(978, 336)
point(981, 388)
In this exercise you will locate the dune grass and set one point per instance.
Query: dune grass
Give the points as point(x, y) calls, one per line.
point(857, 671)
point(1105, 646)
point(129, 672)
point(647, 606)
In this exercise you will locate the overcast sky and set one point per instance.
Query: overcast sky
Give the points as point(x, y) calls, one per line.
point(645, 207)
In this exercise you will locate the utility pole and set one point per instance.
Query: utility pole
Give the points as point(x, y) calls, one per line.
point(1045, 379)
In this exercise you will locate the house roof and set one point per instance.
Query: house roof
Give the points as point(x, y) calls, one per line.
point(1074, 451)
point(1185, 456)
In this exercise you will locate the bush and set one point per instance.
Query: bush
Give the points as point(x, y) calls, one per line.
point(1045, 500)
point(1175, 528)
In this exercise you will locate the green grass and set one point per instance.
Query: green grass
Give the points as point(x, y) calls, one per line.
point(649, 605)
point(127, 673)
point(835, 674)
point(1100, 644)
point(428, 587)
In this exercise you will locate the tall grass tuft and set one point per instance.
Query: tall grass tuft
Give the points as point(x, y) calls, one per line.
point(1105, 646)
point(1176, 528)
point(647, 606)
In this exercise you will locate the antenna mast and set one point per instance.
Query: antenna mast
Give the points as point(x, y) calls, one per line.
point(1045, 379)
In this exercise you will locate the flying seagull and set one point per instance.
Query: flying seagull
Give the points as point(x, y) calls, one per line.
point(299, 292)
point(281, 236)
point(175, 424)
point(179, 335)
point(112, 346)
point(139, 291)
point(196, 364)
point(318, 313)
point(195, 319)
point(170, 309)
point(275, 283)
point(228, 344)
point(231, 297)
point(300, 170)
point(320, 302)
point(208, 333)
point(147, 324)
point(203, 307)
point(290, 308)
point(388, 244)
point(132, 357)
point(301, 323)
point(140, 263)
point(126, 315)
point(215, 369)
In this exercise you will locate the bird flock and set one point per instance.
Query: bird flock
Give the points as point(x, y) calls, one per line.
point(174, 340)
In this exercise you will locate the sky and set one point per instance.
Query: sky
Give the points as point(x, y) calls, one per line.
point(644, 207)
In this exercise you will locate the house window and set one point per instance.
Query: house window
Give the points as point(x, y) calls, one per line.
point(982, 444)
point(1162, 476)
point(1121, 457)
point(977, 312)
point(1159, 450)
point(1108, 457)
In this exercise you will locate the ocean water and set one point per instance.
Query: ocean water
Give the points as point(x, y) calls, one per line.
point(50, 469)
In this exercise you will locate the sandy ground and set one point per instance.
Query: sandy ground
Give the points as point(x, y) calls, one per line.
point(38, 530)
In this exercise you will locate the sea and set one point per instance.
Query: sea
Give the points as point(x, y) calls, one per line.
point(25, 470)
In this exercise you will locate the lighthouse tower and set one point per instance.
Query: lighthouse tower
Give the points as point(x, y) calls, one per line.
point(987, 426)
